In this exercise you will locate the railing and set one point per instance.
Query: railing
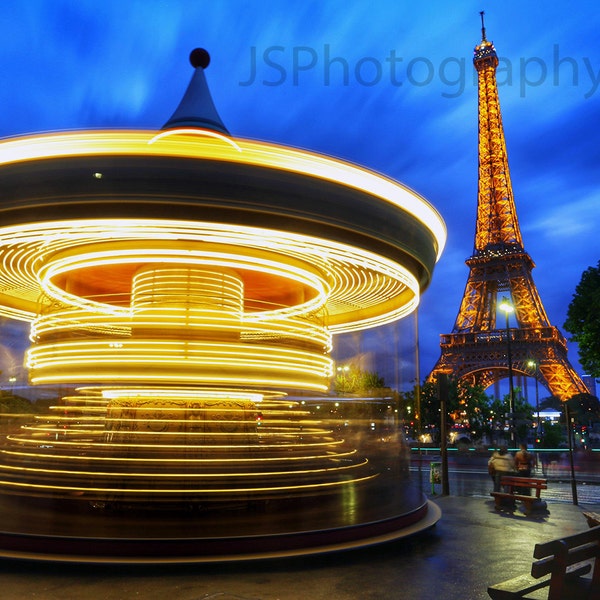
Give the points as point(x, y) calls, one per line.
point(534, 334)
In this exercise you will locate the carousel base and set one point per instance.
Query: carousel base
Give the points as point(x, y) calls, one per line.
point(78, 532)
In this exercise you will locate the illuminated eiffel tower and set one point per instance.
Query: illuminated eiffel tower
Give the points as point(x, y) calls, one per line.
point(478, 350)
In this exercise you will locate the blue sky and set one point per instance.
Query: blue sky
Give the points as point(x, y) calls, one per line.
point(388, 85)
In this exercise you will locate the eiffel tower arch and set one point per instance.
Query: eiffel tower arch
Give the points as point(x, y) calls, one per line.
point(478, 349)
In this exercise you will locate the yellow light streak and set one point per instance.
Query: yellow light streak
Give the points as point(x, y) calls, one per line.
point(242, 151)
point(348, 273)
point(165, 446)
point(190, 131)
point(152, 492)
point(187, 334)
point(188, 461)
point(191, 476)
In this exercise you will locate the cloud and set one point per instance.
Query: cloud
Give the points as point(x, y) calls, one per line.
point(124, 64)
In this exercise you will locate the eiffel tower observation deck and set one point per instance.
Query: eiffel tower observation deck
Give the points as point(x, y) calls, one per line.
point(482, 348)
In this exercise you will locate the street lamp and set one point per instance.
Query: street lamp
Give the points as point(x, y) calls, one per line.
point(532, 364)
point(507, 307)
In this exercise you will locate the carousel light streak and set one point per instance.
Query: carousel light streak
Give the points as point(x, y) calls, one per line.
point(184, 332)
point(184, 393)
point(152, 493)
point(190, 131)
point(201, 257)
point(161, 460)
point(191, 475)
point(351, 282)
point(253, 153)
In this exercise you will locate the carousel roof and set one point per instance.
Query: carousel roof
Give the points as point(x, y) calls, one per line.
point(197, 108)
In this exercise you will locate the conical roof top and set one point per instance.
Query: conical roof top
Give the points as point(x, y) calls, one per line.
point(197, 108)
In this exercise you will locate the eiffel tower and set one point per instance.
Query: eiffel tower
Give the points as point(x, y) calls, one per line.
point(478, 350)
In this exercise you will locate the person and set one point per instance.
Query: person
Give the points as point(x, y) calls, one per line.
point(523, 465)
point(501, 463)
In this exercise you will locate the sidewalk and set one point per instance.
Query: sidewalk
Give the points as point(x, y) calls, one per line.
point(471, 547)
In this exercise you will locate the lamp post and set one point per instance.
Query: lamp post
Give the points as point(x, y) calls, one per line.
point(418, 393)
point(534, 365)
point(569, 421)
point(507, 307)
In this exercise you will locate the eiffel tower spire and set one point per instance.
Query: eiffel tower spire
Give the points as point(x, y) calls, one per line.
point(476, 350)
point(497, 225)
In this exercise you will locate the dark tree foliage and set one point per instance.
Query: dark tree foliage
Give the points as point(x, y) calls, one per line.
point(523, 418)
point(585, 408)
point(583, 320)
point(551, 402)
point(14, 405)
point(552, 435)
point(467, 405)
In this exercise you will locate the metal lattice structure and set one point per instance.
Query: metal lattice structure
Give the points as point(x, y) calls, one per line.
point(477, 349)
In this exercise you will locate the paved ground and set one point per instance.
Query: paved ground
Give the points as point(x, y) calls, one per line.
point(471, 547)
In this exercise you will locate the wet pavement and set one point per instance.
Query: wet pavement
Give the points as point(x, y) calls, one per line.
point(471, 547)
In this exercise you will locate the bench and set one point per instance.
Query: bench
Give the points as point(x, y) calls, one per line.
point(513, 485)
point(565, 561)
point(593, 518)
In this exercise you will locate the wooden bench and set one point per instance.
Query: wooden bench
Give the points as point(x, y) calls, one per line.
point(565, 561)
point(513, 485)
point(593, 518)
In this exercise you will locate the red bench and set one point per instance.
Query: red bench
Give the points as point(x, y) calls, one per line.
point(512, 486)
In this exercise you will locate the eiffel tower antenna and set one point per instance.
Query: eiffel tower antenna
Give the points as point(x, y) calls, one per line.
point(478, 350)
point(481, 14)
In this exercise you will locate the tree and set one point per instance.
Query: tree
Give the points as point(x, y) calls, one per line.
point(429, 401)
point(473, 408)
point(585, 408)
point(583, 320)
point(552, 435)
point(497, 418)
point(467, 405)
point(523, 417)
point(350, 380)
point(13, 410)
point(552, 402)
point(15, 405)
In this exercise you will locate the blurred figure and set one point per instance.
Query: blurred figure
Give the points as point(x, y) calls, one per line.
point(501, 463)
point(523, 464)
